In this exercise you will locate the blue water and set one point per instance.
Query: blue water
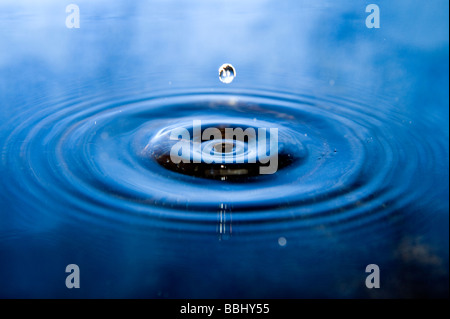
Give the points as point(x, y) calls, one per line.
point(362, 116)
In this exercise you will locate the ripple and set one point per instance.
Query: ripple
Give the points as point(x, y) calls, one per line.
point(237, 152)
point(342, 163)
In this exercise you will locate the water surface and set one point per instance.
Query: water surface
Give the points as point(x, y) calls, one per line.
point(362, 116)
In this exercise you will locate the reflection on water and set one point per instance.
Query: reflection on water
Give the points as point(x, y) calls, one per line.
point(362, 122)
point(225, 222)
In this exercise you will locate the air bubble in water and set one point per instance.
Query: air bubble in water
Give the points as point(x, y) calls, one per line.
point(282, 241)
point(227, 73)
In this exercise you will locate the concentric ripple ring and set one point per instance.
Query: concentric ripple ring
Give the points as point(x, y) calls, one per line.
point(340, 166)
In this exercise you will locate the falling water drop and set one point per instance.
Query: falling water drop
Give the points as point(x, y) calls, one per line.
point(227, 73)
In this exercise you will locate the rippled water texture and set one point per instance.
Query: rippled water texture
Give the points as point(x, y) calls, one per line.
point(362, 122)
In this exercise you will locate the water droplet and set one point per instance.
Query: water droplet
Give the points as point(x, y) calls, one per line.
point(104, 136)
point(282, 241)
point(227, 73)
